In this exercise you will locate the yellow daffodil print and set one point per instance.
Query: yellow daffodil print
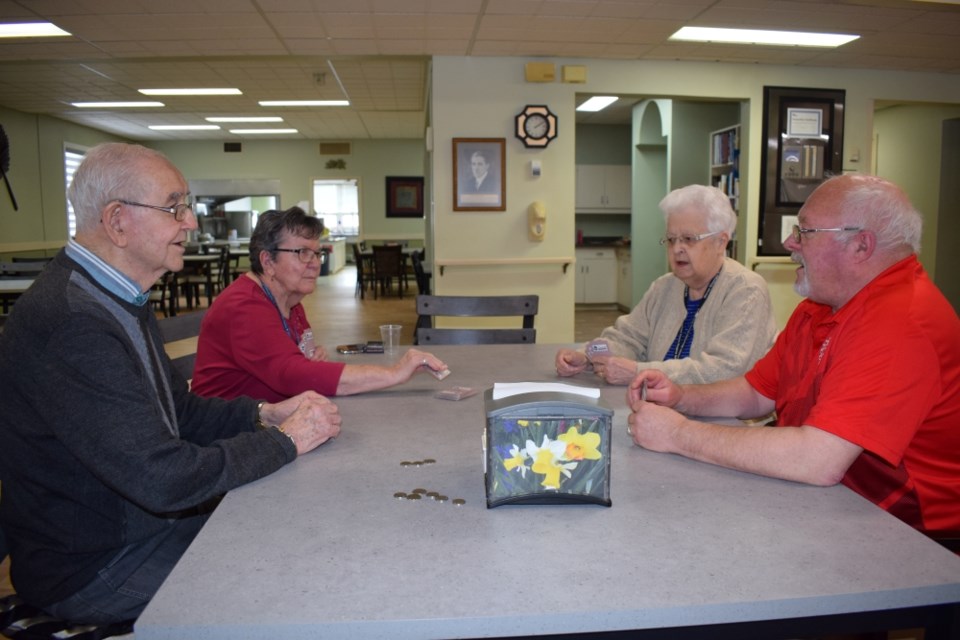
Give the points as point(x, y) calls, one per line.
point(517, 460)
point(581, 446)
point(548, 461)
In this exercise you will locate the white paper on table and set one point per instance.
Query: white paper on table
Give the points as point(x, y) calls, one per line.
point(507, 389)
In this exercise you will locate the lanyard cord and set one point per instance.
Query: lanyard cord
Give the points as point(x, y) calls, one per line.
point(685, 334)
point(286, 326)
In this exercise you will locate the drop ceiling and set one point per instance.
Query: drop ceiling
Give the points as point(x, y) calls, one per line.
point(376, 52)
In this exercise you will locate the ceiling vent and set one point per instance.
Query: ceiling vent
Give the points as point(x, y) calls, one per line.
point(232, 147)
point(334, 148)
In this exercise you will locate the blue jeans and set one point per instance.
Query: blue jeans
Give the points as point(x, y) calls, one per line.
point(123, 588)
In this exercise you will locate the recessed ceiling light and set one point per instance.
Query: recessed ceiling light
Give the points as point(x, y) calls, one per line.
point(304, 103)
point(200, 91)
point(762, 36)
point(245, 119)
point(596, 103)
point(183, 127)
point(31, 30)
point(264, 131)
point(115, 105)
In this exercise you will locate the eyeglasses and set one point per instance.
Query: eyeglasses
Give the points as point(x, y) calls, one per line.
point(178, 211)
point(686, 240)
point(305, 255)
point(798, 231)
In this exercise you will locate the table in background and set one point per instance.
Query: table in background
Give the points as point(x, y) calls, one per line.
point(10, 290)
point(322, 548)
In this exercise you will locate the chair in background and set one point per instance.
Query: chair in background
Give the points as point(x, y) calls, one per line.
point(387, 265)
point(429, 307)
point(421, 274)
point(158, 295)
point(363, 274)
point(182, 327)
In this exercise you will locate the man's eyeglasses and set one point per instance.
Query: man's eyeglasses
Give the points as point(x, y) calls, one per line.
point(686, 240)
point(305, 255)
point(178, 211)
point(798, 231)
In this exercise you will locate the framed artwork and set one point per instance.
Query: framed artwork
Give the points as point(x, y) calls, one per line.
point(479, 179)
point(404, 197)
point(803, 146)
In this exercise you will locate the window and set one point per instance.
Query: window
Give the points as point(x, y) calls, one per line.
point(337, 202)
point(71, 160)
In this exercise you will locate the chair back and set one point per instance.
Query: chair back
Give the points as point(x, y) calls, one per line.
point(388, 261)
point(423, 278)
point(18, 269)
point(429, 307)
point(182, 327)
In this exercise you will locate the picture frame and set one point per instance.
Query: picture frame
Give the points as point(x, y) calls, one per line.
point(479, 175)
point(404, 196)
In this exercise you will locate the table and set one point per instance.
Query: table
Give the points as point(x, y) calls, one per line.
point(10, 290)
point(197, 264)
point(322, 548)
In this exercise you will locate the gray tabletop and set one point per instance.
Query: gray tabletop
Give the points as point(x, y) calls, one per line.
point(323, 549)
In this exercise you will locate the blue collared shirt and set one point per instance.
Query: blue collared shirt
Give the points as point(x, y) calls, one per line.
point(109, 278)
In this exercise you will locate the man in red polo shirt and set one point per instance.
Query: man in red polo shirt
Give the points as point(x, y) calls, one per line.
point(865, 378)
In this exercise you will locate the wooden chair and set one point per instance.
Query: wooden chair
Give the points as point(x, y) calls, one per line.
point(428, 307)
point(363, 275)
point(387, 265)
point(180, 328)
point(423, 278)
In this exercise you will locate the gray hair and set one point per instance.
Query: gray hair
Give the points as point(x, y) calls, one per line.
point(108, 172)
point(882, 207)
point(710, 201)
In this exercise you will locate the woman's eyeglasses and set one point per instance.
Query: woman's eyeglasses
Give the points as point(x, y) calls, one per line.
point(305, 255)
point(686, 240)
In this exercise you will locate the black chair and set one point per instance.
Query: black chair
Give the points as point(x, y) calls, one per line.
point(363, 275)
point(387, 265)
point(421, 274)
point(180, 328)
point(429, 307)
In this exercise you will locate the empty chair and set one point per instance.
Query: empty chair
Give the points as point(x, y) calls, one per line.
point(387, 265)
point(429, 307)
point(423, 278)
point(180, 328)
point(363, 275)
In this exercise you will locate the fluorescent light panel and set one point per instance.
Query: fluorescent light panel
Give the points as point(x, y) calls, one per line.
point(199, 91)
point(304, 103)
point(262, 131)
point(116, 105)
point(762, 36)
point(244, 119)
point(183, 127)
point(31, 30)
point(597, 103)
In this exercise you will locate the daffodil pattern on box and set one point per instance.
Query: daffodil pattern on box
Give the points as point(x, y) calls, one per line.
point(548, 460)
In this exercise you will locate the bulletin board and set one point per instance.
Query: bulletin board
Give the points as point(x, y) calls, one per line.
point(803, 138)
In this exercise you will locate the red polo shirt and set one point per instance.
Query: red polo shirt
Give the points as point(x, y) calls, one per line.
point(882, 372)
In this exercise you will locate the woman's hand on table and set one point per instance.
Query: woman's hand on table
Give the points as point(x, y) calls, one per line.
point(415, 360)
point(570, 362)
point(614, 369)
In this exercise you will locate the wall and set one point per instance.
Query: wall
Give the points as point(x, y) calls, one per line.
point(296, 163)
point(603, 144)
point(479, 97)
point(38, 182)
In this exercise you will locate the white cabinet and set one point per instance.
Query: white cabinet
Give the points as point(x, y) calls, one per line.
point(624, 279)
point(596, 276)
point(603, 188)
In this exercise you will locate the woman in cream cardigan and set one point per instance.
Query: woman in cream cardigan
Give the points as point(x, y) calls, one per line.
point(710, 318)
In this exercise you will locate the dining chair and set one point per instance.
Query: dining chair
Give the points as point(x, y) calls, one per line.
point(387, 265)
point(421, 275)
point(182, 327)
point(363, 275)
point(429, 307)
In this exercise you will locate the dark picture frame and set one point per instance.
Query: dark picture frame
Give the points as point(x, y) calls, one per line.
point(479, 175)
point(803, 147)
point(404, 197)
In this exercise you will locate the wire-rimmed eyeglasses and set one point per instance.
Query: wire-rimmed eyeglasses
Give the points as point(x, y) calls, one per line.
point(305, 254)
point(178, 211)
point(798, 231)
point(686, 240)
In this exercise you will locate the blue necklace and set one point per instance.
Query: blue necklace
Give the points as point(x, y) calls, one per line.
point(681, 344)
point(286, 325)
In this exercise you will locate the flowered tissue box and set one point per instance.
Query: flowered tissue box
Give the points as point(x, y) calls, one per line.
point(547, 448)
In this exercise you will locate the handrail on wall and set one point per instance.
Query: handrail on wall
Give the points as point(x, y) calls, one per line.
point(482, 262)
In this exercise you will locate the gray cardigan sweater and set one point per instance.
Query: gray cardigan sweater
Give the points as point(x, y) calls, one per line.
point(732, 330)
point(100, 440)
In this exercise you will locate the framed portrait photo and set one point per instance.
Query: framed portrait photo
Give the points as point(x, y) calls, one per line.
point(404, 197)
point(479, 179)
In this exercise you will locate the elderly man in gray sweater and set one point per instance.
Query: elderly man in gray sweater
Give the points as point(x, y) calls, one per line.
point(710, 318)
point(109, 464)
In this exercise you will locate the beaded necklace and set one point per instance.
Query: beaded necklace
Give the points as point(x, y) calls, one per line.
point(681, 344)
